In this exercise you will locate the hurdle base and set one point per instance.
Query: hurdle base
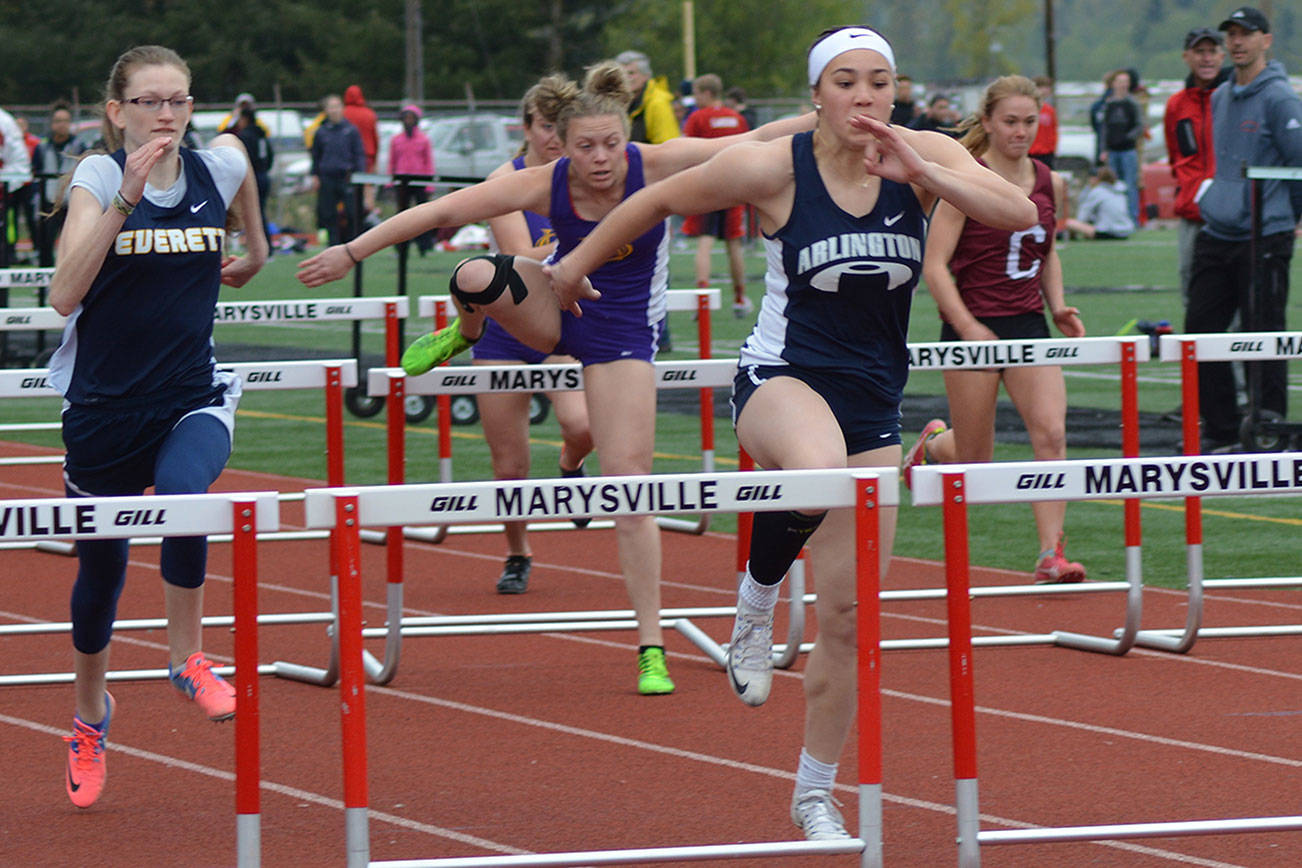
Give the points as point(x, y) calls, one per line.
point(1121, 831)
point(646, 855)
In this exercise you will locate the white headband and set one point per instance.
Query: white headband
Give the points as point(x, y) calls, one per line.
point(844, 40)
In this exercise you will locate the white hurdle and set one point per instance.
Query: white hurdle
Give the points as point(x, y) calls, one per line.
point(1189, 350)
point(439, 308)
point(11, 278)
point(241, 515)
point(958, 486)
point(350, 509)
point(1124, 351)
point(331, 375)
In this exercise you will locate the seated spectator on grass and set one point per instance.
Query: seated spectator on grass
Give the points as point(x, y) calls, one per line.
point(1104, 210)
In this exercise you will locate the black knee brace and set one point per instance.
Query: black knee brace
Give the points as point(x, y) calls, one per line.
point(504, 277)
point(776, 538)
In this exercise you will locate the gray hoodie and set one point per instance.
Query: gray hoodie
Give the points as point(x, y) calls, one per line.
point(1258, 124)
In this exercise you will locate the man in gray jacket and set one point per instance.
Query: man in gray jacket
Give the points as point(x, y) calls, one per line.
point(1256, 121)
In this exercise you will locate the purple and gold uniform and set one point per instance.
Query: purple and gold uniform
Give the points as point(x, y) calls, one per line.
point(624, 322)
point(496, 344)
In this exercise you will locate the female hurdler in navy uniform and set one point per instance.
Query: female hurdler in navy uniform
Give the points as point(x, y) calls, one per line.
point(615, 339)
point(141, 261)
point(820, 379)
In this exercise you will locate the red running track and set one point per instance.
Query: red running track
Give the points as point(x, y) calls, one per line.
point(540, 743)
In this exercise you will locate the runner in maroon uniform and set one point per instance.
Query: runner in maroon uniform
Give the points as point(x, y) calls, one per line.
point(994, 284)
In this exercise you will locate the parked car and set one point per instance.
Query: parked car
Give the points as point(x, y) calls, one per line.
point(465, 146)
point(286, 126)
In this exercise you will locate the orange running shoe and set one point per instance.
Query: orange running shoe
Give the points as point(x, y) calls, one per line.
point(87, 764)
point(1053, 568)
point(198, 682)
point(918, 454)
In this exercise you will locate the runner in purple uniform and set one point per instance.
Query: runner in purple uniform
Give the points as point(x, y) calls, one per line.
point(614, 338)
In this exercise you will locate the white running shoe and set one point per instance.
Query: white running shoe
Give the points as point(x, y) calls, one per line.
point(750, 654)
point(815, 812)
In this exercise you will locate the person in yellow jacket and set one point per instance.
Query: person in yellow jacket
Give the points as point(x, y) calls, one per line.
point(651, 112)
point(652, 120)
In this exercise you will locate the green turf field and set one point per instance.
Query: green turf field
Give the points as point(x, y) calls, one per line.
point(1111, 282)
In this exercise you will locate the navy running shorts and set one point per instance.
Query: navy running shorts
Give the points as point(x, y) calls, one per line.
point(867, 422)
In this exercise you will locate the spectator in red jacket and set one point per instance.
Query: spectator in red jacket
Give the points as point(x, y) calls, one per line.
point(360, 115)
point(1189, 136)
point(711, 120)
point(1046, 130)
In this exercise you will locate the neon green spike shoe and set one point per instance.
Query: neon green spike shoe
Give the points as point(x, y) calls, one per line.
point(653, 674)
point(431, 350)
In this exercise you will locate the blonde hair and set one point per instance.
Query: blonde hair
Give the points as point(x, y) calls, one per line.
point(974, 135)
point(127, 63)
point(544, 100)
point(605, 91)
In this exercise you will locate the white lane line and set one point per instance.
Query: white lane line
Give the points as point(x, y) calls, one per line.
point(273, 787)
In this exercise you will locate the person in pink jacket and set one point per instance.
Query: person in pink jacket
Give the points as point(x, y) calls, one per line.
point(410, 153)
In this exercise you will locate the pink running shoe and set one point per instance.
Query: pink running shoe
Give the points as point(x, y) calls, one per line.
point(198, 682)
point(1054, 569)
point(918, 454)
point(87, 765)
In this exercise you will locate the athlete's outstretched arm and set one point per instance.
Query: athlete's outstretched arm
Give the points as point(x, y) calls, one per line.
point(525, 190)
point(744, 174)
point(684, 152)
point(940, 168)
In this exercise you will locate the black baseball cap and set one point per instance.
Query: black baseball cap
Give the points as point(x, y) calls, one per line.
point(1247, 18)
point(1198, 34)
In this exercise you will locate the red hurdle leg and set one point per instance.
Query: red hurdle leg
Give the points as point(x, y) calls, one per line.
point(444, 403)
point(396, 430)
point(707, 395)
point(868, 615)
point(744, 519)
point(248, 764)
point(352, 682)
point(391, 340)
point(961, 690)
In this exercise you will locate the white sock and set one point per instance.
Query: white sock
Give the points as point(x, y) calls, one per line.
point(812, 774)
point(760, 598)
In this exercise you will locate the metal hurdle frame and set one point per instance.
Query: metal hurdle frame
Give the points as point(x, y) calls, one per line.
point(1189, 350)
point(955, 487)
point(350, 509)
point(1125, 351)
point(446, 381)
point(240, 515)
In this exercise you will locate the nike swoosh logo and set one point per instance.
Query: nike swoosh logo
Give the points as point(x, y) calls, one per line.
point(194, 209)
point(72, 785)
point(738, 687)
point(891, 221)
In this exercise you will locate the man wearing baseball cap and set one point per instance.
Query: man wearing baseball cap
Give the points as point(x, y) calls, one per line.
point(1188, 122)
point(1256, 121)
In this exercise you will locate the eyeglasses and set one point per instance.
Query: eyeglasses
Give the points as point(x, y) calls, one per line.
point(154, 104)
